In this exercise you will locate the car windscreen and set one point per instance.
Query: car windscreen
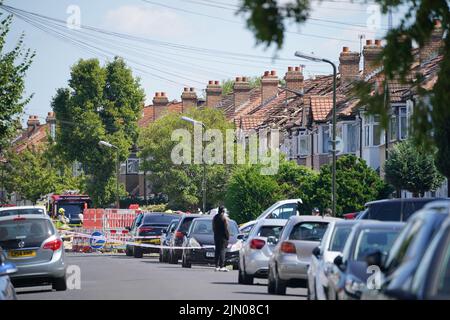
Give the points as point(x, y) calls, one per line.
point(339, 237)
point(72, 210)
point(269, 231)
point(201, 226)
point(370, 240)
point(31, 231)
point(185, 224)
point(309, 231)
point(24, 211)
point(158, 219)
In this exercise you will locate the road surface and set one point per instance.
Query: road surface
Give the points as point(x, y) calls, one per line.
point(106, 276)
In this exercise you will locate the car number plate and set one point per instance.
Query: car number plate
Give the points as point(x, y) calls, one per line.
point(210, 254)
point(21, 253)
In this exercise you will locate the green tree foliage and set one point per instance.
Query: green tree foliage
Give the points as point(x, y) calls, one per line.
point(13, 67)
point(431, 117)
point(249, 193)
point(411, 168)
point(356, 184)
point(101, 103)
point(34, 173)
point(182, 182)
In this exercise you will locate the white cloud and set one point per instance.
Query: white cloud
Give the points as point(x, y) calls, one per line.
point(140, 20)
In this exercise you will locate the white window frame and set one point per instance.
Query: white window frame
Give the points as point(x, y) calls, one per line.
point(129, 166)
point(320, 140)
point(303, 136)
point(369, 124)
point(403, 113)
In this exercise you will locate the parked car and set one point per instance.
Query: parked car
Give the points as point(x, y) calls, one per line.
point(257, 249)
point(32, 243)
point(348, 278)
point(351, 216)
point(291, 257)
point(279, 210)
point(201, 237)
point(247, 227)
point(322, 258)
point(394, 209)
point(400, 265)
point(147, 224)
point(22, 210)
point(431, 279)
point(7, 291)
point(165, 240)
point(176, 241)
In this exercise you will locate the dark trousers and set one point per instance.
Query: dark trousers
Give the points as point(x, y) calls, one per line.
point(220, 251)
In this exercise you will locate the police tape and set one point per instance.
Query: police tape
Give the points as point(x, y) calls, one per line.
point(130, 243)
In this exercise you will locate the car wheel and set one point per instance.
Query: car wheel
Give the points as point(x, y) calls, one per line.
point(161, 252)
point(271, 284)
point(184, 262)
point(246, 279)
point(128, 251)
point(59, 284)
point(236, 266)
point(137, 252)
point(172, 258)
point(280, 285)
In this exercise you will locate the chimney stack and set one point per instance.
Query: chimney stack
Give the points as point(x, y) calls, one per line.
point(269, 85)
point(50, 117)
point(188, 98)
point(160, 102)
point(32, 123)
point(294, 80)
point(371, 52)
point(432, 47)
point(213, 93)
point(348, 65)
point(241, 91)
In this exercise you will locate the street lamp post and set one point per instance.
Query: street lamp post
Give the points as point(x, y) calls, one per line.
point(109, 145)
point(333, 181)
point(195, 122)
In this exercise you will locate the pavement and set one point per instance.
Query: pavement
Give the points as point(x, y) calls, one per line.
point(104, 276)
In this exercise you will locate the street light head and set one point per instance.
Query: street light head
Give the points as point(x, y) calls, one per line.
point(308, 56)
point(106, 144)
point(192, 121)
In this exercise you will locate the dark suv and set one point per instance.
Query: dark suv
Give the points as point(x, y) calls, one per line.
point(177, 239)
point(147, 228)
point(394, 209)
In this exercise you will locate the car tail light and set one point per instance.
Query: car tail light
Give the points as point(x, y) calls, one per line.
point(350, 216)
point(288, 247)
point(124, 231)
point(19, 219)
point(53, 245)
point(257, 244)
point(144, 229)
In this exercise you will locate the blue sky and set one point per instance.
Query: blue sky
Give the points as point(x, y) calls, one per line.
point(226, 32)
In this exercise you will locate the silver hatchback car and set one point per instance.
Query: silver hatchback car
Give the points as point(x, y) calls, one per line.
point(257, 249)
point(32, 243)
point(288, 265)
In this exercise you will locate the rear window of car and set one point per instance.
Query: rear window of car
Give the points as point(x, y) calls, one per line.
point(157, 219)
point(15, 212)
point(309, 231)
point(31, 231)
point(269, 231)
point(339, 237)
point(392, 211)
point(370, 240)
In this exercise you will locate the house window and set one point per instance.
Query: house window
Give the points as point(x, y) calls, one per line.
point(352, 141)
point(373, 133)
point(403, 123)
point(303, 144)
point(393, 128)
point(325, 139)
point(53, 130)
point(132, 166)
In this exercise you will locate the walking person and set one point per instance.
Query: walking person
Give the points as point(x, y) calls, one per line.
point(221, 237)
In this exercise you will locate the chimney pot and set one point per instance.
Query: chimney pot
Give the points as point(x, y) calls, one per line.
point(345, 49)
point(368, 42)
point(378, 42)
point(437, 23)
point(210, 82)
point(266, 73)
point(290, 69)
point(273, 73)
point(192, 89)
point(297, 68)
point(156, 94)
point(216, 82)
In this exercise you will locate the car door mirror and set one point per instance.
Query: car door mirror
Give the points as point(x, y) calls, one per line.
point(339, 262)
point(7, 269)
point(241, 236)
point(374, 258)
point(316, 252)
point(272, 240)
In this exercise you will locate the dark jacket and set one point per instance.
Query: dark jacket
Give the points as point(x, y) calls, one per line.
point(220, 228)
